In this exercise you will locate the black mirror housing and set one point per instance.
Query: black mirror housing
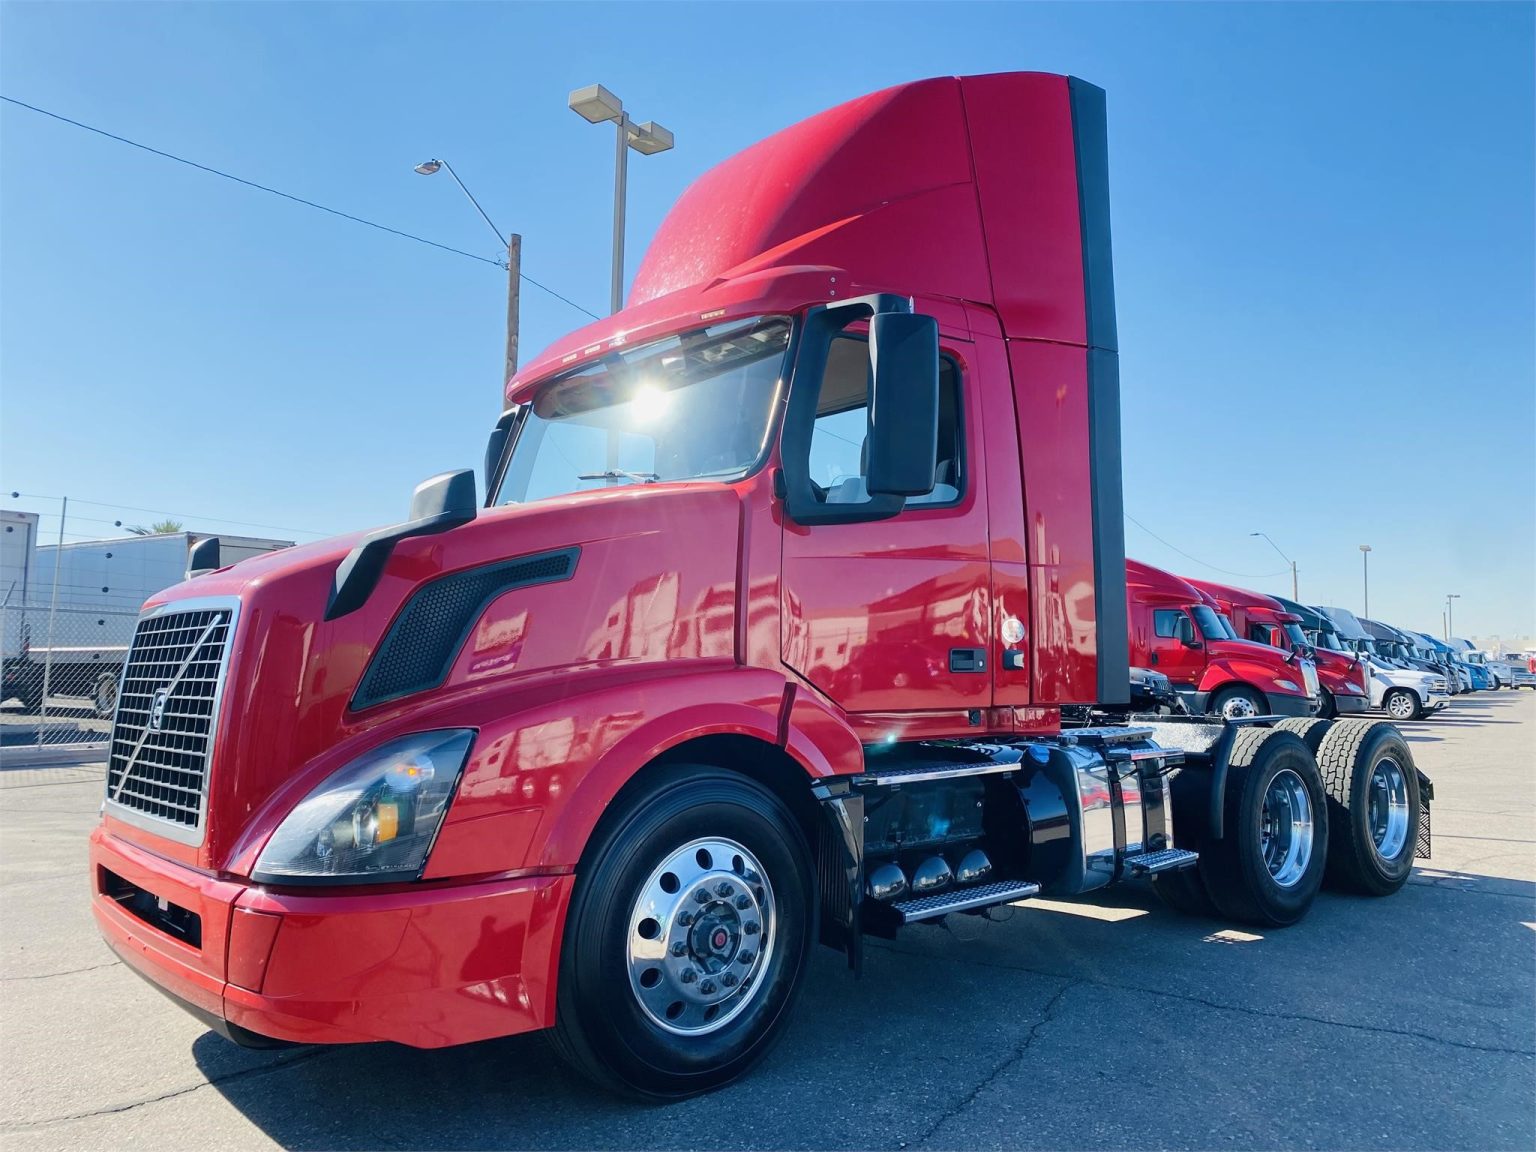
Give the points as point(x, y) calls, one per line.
point(494, 448)
point(447, 493)
point(904, 403)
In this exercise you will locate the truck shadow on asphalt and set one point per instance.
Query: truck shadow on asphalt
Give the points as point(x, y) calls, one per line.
point(1048, 994)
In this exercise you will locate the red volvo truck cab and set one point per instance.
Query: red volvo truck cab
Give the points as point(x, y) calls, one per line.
point(1342, 677)
point(1180, 631)
point(759, 636)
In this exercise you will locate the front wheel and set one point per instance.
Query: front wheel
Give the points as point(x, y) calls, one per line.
point(1236, 703)
point(687, 937)
point(104, 698)
point(1268, 865)
point(1403, 704)
point(1329, 708)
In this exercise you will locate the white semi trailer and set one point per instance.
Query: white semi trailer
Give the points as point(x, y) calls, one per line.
point(67, 633)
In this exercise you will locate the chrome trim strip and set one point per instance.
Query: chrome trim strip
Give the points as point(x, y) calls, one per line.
point(167, 829)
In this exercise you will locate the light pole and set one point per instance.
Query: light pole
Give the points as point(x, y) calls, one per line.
point(597, 105)
point(1295, 588)
point(1365, 569)
point(1450, 614)
point(514, 245)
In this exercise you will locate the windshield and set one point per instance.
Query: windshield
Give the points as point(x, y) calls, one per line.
point(1328, 640)
point(1213, 626)
point(693, 407)
point(1295, 635)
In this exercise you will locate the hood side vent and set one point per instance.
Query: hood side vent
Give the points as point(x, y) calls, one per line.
point(421, 645)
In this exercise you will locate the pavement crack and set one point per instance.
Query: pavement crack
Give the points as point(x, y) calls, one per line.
point(69, 972)
point(1047, 1015)
point(131, 1105)
point(1218, 1006)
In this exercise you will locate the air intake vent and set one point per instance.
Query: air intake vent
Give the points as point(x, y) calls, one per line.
point(425, 638)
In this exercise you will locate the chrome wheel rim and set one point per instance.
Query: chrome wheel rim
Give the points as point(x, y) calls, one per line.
point(700, 936)
point(1401, 706)
point(1387, 809)
point(106, 696)
point(1285, 828)
point(1238, 707)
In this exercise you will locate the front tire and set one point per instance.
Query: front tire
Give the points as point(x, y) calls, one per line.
point(1236, 703)
point(104, 698)
point(1403, 704)
point(1373, 806)
point(1268, 866)
point(687, 938)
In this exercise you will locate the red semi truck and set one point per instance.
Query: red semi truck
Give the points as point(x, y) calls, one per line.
point(1179, 631)
point(759, 638)
point(1342, 677)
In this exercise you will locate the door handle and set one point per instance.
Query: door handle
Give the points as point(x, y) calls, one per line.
point(1154, 657)
point(967, 659)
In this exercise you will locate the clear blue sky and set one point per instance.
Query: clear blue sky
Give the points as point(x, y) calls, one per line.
point(1323, 221)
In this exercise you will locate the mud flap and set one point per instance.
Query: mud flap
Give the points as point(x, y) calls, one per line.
point(1426, 794)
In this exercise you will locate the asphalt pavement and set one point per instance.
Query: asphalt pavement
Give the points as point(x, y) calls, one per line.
point(1401, 1023)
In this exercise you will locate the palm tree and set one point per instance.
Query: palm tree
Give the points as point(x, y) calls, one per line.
point(158, 528)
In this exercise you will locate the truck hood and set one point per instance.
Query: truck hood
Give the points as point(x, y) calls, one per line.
point(648, 574)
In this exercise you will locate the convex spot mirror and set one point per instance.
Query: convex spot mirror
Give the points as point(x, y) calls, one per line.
point(903, 404)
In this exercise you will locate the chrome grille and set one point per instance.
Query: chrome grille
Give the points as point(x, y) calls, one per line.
point(167, 709)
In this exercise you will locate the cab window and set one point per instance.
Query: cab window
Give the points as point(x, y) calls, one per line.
point(1166, 623)
point(839, 458)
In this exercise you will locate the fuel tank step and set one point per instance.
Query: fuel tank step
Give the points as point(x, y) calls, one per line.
point(964, 899)
point(919, 772)
point(1168, 860)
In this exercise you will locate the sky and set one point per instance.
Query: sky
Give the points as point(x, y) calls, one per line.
point(1324, 221)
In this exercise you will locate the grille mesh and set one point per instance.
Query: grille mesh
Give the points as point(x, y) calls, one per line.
point(420, 646)
point(159, 769)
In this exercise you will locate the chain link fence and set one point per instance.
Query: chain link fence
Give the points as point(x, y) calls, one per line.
point(62, 666)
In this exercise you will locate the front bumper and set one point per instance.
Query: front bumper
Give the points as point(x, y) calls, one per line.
point(1349, 705)
point(423, 966)
point(1303, 706)
point(1433, 703)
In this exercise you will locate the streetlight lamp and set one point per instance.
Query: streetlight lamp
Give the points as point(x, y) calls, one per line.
point(1450, 619)
point(514, 245)
point(1295, 591)
point(1365, 568)
point(597, 105)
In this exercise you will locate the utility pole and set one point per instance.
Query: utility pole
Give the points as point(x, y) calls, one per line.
point(1450, 614)
point(514, 244)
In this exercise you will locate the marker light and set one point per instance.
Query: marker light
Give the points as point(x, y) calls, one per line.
point(375, 819)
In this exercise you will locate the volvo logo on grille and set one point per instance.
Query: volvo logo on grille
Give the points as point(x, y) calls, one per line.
point(157, 709)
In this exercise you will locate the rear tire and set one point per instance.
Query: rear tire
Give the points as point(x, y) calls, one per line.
point(1402, 704)
point(1269, 864)
point(1311, 730)
point(1236, 702)
point(1373, 806)
point(657, 1024)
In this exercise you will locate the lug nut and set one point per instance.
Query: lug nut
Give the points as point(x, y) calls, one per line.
point(685, 918)
point(729, 979)
point(708, 988)
point(743, 901)
point(701, 896)
point(689, 976)
point(679, 949)
point(750, 927)
point(746, 957)
point(723, 889)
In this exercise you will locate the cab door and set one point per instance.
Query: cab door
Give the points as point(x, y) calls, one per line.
point(888, 615)
point(1176, 648)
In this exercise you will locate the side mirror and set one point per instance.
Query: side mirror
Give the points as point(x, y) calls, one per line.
point(203, 557)
point(439, 504)
point(1186, 633)
point(903, 404)
point(446, 494)
point(494, 447)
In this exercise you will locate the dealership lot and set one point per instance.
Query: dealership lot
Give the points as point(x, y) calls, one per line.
point(1399, 1023)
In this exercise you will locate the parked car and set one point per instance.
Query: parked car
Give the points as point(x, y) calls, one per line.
point(1401, 692)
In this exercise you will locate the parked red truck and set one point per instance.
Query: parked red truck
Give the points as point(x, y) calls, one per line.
point(1342, 677)
point(1179, 631)
point(761, 637)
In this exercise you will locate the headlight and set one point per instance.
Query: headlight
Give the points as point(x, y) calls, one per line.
point(375, 819)
point(1288, 685)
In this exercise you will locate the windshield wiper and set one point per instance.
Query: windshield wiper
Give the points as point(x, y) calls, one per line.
point(620, 474)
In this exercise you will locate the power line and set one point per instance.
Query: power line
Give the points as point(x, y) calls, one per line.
point(1202, 563)
point(182, 516)
point(502, 264)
